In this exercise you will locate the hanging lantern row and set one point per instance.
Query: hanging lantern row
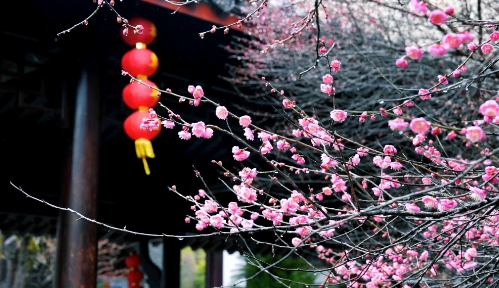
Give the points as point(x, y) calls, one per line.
point(141, 63)
point(134, 276)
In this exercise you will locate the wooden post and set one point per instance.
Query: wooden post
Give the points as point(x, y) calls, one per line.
point(77, 239)
point(170, 277)
point(214, 268)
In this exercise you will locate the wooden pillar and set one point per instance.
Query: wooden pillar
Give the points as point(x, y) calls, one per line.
point(152, 271)
point(76, 264)
point(170, 277)
point(214, 268)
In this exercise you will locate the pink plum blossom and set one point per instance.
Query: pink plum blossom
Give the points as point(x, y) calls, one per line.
point(477, 194)
point(446, 204)
point(245, 194)
point(239, 154)
point(472, 253)
point(266, 147)
point(438, 17)
point(423, 92)
point(283, 145)
point(390, 150)
point(288, 103)
point(443, 80)
point(327, 79)
point(184, 135)
point(168, 124)
point(487, 48)
point(201, 131)
point(420, 125)
point(412, 208)
point(327, 89)
point(452, 41)
point(249, 134)
point(245, 121)
point(472, 46)
point(414, 52)
point(197, 92)
point(437, 50)
point(339, 115)
point(402, 63)
point(222, 112)
point(490, 110)
point(419, 6)
point(210, 206)
point(248, 174)
point(296, 242)
point(475, 134)
point(299, 159)
point(356, 160)
point(430, 202)
point(217, 221)
point(335, 64)
point(398, 124)
point(247, 224)
point(494, 36)
point(466, 37)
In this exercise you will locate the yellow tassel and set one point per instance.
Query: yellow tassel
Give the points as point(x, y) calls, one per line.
point(143, 148)
point(146, 166)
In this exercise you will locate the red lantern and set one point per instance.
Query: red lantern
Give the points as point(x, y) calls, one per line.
point(138, 95)
point(132, 261)
point(143, 146)
point(135, 276)
point(132, 126)
point(147, 36)
point(140, 62)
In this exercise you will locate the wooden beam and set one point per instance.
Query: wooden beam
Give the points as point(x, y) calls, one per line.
point(77, 240)
point(170, 277)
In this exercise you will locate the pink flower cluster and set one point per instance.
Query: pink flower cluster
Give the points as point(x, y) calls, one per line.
point(197, 92)
point(386, 162)
point(150, 123)
point(200, 130)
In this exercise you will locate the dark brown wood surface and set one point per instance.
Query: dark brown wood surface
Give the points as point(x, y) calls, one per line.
point(77, 240)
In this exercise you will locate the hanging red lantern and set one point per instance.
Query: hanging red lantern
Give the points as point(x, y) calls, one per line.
point(135, 276)
point(140, 62)
point(143, 146)
point(132, 261)
point(138, 95)
point(147, 37)
point(132, 126)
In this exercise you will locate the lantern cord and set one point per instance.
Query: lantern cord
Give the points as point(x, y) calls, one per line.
point(146, 166)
